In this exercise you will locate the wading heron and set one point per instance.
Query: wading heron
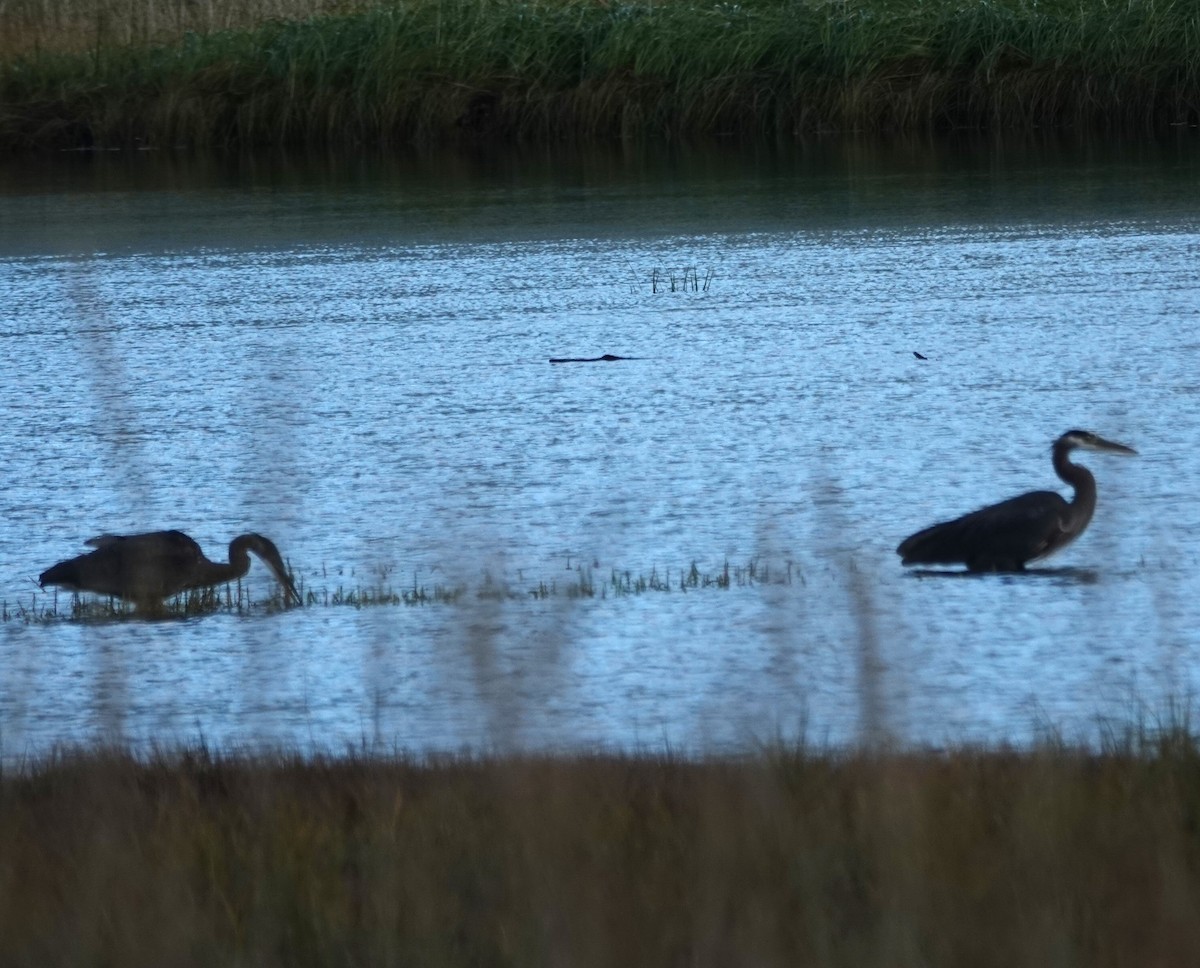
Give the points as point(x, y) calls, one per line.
point(147, 568)
point(1004, 536)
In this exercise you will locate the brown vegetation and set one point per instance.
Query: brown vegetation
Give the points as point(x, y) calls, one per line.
point(1049, 857)
point(72, 26)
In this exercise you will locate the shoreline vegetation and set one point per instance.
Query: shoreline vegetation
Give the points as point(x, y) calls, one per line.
point(165, 74)
point(1053, 856)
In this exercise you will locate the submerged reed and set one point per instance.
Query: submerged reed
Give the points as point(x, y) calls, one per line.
point(788, 857)
point(554, 70)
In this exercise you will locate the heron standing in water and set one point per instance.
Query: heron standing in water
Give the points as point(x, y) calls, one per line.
point(147, 568)
point(1004, 536)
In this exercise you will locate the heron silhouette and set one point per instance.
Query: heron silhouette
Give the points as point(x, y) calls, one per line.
point(147, 568)
point(1005, 536)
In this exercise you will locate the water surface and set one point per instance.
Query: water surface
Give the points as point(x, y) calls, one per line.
point(351, 357)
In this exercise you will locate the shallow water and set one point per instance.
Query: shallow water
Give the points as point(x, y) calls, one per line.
point(352, 359)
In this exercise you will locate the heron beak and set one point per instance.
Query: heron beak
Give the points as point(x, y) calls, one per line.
point(271, 557)
point(290, 595)
point(1113, 447)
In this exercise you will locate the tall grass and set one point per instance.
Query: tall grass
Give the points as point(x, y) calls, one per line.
point(1053, 857)
point(430, 70)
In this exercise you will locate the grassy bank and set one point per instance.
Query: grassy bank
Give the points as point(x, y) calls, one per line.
point(579, 70)
point(1053, 857)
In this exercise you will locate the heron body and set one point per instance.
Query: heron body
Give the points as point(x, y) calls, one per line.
point(1005, 536)
point(147, 568)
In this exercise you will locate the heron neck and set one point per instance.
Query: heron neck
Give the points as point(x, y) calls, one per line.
point(239, 558)
point(1081, 479)
point(219, 572)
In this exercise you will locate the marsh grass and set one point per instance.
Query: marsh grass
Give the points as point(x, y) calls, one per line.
point(580, 582)
point(686, 279)
point(583, 70)
point(790, 856)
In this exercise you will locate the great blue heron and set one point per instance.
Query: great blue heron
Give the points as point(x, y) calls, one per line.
point(147, 568)
point(1005, 536)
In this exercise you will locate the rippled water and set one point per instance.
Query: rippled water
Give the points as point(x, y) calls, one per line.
point(352, 359)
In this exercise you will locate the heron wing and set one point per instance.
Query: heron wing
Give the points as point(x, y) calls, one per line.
point(155, 541)
point(1004, 535)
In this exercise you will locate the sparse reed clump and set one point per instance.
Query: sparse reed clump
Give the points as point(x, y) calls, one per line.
point(579, 70)
point(579, 583)
point(1005, 859)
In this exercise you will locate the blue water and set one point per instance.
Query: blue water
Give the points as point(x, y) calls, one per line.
point(352, 359)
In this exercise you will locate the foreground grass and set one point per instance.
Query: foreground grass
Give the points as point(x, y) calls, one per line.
point(1051, 857)
point(107, 73)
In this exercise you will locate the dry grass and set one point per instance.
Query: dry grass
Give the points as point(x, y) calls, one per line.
point(66, 26)
point(1043, 858)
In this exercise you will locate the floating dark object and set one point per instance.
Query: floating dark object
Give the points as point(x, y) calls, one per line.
point(607, 357)
point(919, 356)
point(147, 568)
point(1004, 536)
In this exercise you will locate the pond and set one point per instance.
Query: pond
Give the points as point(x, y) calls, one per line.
point(350, 356)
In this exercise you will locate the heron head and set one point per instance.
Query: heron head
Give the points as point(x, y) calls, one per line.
point(1086, 440)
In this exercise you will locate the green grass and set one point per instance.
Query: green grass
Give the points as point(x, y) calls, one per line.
point(587, 70)
point(1055, 856)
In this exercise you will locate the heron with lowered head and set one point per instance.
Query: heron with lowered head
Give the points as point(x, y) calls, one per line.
point(147, 568)
point(1005, 536)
